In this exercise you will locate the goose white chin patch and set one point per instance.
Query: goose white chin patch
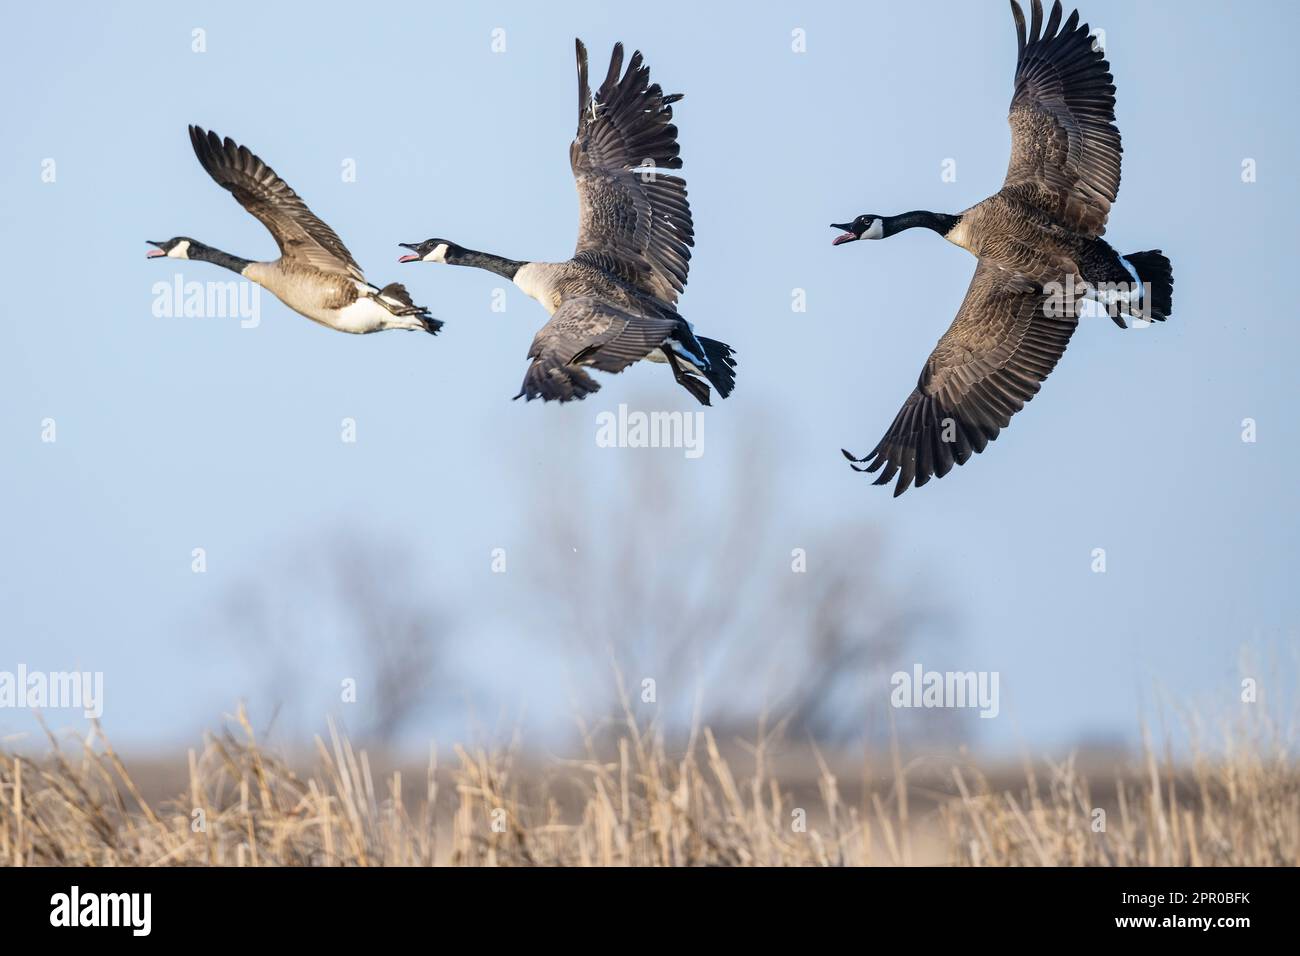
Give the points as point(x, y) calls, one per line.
point(437, 254)
point(179, 251)
point(875, 231)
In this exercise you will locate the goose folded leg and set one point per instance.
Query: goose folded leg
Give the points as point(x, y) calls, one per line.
point(397, 300)
point(586, 332)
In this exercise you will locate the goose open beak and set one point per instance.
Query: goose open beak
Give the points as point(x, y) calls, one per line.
point(408, 258)
point(848, 236)
point(154, 253)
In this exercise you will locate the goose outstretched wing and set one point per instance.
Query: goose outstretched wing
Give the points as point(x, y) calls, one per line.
point(1004, 342)
point(301, 236)
point(1065, 148)
point(587, 331)
point(633, 218)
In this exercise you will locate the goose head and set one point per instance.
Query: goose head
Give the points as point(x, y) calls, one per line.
point(871, 226)
point(178, 248)
point(866, 226)
point(431, 250)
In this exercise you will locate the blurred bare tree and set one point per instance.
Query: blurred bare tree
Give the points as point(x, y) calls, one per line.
point(723, 598)
point(705, 588)
point(357, 596)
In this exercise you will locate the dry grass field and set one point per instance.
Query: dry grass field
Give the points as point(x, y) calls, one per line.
point(631, 799)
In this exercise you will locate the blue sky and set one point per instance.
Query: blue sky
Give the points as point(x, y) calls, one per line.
point(181, 433)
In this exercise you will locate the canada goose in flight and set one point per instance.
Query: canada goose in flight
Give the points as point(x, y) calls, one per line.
point(1038, 241)
point(614, 302)
point(315, 275)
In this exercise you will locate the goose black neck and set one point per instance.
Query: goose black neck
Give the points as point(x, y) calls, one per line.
point(484, 260)
point(217, 257)
point(940, 222)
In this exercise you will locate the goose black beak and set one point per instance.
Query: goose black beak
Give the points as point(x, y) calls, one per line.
point(156, 252)
point(411, 246)
point(848, 236)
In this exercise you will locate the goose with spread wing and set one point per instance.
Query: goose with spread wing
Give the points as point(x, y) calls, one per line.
point(315, 275)
point(615, 301)
point(1042, 261)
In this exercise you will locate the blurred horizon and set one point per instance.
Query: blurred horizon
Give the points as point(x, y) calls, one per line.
point(373, 560)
